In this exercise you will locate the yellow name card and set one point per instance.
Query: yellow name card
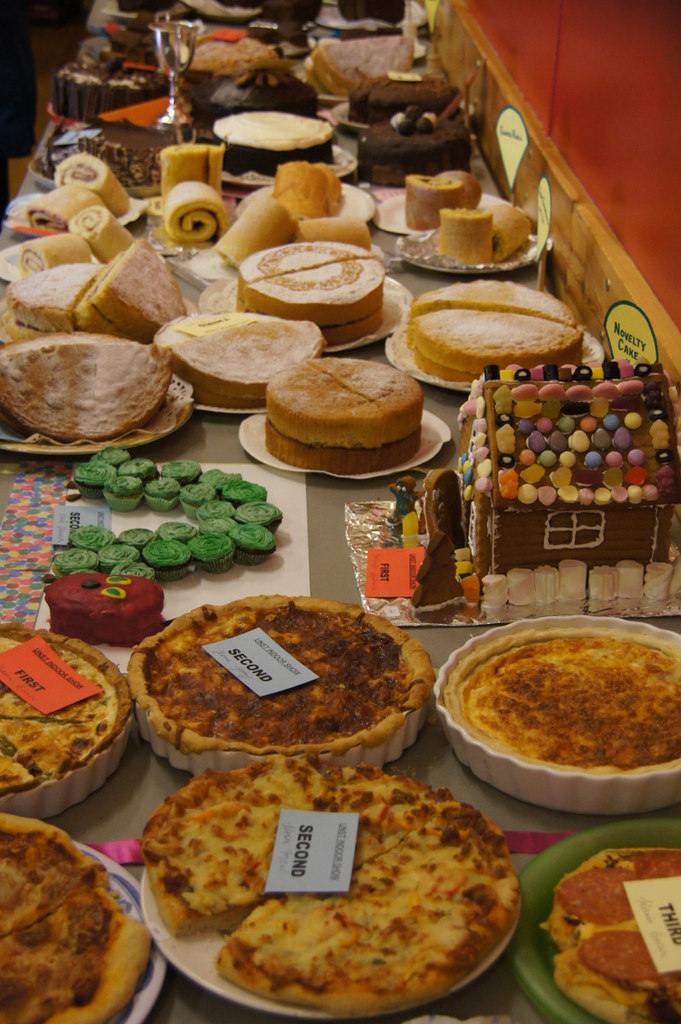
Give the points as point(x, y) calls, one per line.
point(199, 326)
point(513, 141)
point(630, 334)
point(543, 213)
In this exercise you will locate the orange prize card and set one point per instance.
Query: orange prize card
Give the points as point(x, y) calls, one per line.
point(38, 675)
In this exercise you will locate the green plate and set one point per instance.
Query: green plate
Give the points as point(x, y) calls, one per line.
point(532, 950)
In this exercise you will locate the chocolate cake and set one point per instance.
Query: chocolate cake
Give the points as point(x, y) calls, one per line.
point(81, 91)
point(132, 152)
point(263, 89)
point(261, 140)
point(382, 10)
point(385, 154)
point(378, 99)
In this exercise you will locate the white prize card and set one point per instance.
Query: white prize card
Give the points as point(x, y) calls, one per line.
point(313, 851)
point(259, 662)
point(656, 905)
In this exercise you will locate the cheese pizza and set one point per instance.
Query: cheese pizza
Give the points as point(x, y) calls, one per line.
point(603, 963)
point(68, 952)
point(433, 889)
point(369, 676)
point(37, 748)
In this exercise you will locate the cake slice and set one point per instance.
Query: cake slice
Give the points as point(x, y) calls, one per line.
point(494, 296)
point(45, 301)
point(134, 295)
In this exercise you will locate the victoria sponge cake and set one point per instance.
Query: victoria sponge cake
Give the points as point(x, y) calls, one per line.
point(336, 285)
point(458, 330)
point(343, 416)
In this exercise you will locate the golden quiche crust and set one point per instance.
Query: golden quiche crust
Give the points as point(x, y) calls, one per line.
point(371, 675)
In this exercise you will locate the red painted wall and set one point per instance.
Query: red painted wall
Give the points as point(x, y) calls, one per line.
point(604, 77)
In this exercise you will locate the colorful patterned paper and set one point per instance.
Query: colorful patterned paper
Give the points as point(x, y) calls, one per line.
point(26, 538)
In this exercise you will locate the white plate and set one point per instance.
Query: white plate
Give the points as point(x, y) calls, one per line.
point(341, 114)
point(401, 357)
point(220, 297)
point(434, 433)
point(16, 219)
point(127, 893)
point(355, 202)
point(194, 956)
point(391, 215)
point(344, 163)
point(420, 249)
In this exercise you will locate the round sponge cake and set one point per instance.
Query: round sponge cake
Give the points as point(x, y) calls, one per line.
point(336, 285)
point(343, 416)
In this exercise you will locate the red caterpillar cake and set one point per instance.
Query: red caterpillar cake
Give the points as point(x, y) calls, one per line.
point(102, 609)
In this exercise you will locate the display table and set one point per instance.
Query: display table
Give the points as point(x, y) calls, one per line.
point(121, 807)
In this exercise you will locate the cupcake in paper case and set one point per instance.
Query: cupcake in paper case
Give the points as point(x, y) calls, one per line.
point(145, 469)
point(185, 471)
point(91, 537)
point(162, 495)
point(134, 569)
point(117, 554)
point(217, 478)
point(215, 509)
point(113, 455)
point(218, 524)
point(192, 496)
point(177, 531)
point(264, 513)
point(253, 543)
point(170, 559)
point(137, 537)
point(241, 491)
point(212, 552)
point(90, 477)
point(124, 493)
point(75, 560)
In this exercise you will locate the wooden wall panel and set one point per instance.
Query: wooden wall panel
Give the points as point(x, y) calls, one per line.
point(604, 80)
point(589, 267)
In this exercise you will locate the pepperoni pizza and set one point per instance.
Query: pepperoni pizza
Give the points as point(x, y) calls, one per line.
point(603, 963)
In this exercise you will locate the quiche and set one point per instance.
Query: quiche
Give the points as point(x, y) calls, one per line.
point(571, 698)
point(370, 676)
point(37, 748)
point(68, 952)
point(433, 889)
point(602, 962)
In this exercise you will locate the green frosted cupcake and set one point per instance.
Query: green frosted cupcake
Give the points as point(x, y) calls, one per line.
point(264, 513)
point(145, 469)
point(90, 477)
point(253, 543)
point(162, 495)
point(218, 524)
point(75, 560)
point(170, 559)
point(240, 491)
point(91, 537)
point(215, 509)
point(117, 554)
point(212, 552)
point(192, 496)
point(112, 454)
point(134, 569)
point(177, 531)
point(137, 537)
point(186, 471)
point(217, 478)
point(124, 493)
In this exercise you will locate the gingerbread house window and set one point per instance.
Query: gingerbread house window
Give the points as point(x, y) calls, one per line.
point(574, 529)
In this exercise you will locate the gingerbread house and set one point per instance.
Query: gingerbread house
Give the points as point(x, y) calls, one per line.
point(577, 463)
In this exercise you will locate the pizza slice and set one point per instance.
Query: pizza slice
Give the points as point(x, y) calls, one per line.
point(78, 964)
point(603, 963)
point(39, 866)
